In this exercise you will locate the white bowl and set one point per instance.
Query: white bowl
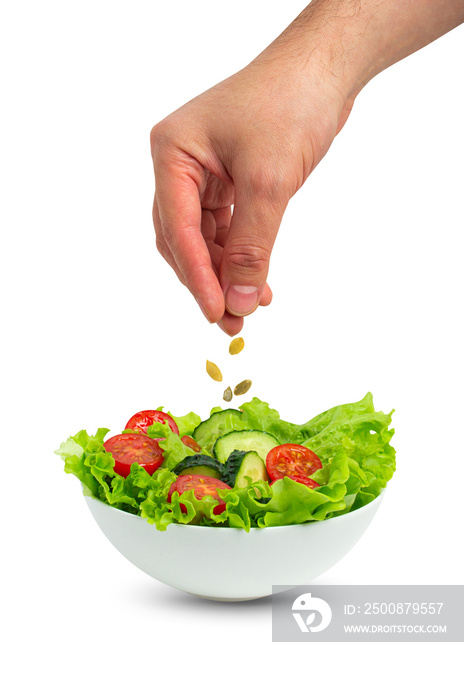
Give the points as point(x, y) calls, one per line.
point(229, 563)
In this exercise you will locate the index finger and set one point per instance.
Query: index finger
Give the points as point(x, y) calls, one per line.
point(179, 206)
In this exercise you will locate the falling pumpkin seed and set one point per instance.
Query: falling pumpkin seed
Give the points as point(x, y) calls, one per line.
point(242, 387)
point(236, 346)
point(227, 396)
point(213, 371)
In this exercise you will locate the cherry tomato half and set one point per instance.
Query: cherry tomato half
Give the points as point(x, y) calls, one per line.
point(141, 420)
point(201, 486)
point(190, 442)
point(295, 461)
point(133, 447)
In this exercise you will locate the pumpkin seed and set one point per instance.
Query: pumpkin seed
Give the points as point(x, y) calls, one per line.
point(242, 387)
point(213, 371)
point(236, 346)
point(228, 394)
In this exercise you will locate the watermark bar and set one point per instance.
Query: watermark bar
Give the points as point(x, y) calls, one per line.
point(419, 613)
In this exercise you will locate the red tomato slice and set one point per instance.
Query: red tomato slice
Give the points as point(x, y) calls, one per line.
point(201, 486)
point(295, 461)
point(190, 442)
point(141, 420)
point(133, 447)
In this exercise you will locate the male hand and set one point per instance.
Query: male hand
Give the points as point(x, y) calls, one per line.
point(249, 142)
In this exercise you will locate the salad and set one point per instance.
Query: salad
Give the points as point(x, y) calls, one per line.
point(241, 468)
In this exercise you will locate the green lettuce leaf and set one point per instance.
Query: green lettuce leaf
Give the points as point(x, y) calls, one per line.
point(342, 413)
point(198, 511)
point(364, 436)
point(244, 506)
point(293, 503)
point(85, 457)
point(154, 507)
point(187, 423)
point(130, 492)
point(260, 417)
point(174, 450)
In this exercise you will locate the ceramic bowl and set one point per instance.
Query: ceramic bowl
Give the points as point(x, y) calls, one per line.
point(229, 563)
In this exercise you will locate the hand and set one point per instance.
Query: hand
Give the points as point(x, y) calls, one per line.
point(251, 142)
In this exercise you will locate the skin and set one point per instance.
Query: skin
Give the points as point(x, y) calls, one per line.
point(252, 141)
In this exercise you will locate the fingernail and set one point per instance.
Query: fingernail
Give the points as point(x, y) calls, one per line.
point(241, 300)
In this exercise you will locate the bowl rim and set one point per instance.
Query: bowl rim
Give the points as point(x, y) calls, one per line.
point(369, 505)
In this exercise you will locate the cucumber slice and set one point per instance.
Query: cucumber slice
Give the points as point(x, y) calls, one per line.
point(246, 441)
point(199, 464)
point(218, 424)
point(241, 465)
point(203, 470)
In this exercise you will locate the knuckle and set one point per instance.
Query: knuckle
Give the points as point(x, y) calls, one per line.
point(160, 137)
point(154, 135)
point(269, 184)
point(250, 257)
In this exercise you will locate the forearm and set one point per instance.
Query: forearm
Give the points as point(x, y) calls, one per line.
point(351, 41)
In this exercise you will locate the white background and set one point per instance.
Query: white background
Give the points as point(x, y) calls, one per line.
point(367, 281)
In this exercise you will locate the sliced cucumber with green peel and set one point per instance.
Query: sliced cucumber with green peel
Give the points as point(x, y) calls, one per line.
point(219, 423)
point(199, 464)
point(243, 468)
point(246, 441)
point(203, 471)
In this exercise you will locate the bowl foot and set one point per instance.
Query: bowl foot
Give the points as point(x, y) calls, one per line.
point(229, 600)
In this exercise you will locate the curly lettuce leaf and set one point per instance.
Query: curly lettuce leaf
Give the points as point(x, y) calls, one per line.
point(260, 417)
point(187, 423)
point(364, 436)
point(337, 414)
point(130, 492)
point(293, 503)
point(184, 509)
point(154, 507)
point(174, 450)
point(244, 506)
point(86, 458)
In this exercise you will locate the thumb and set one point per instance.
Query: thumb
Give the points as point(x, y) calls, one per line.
point(247, 250)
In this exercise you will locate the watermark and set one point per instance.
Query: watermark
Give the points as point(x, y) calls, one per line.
point(368, 613)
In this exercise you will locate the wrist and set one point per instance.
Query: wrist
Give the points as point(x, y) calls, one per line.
point(348, 42)
point(324, 42)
